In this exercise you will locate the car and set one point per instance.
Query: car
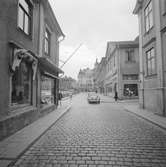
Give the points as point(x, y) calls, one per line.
point(93, 98)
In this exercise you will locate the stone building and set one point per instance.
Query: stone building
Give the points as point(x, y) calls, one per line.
point(152, 40)
point(122, 69)
point(29, 46)
point(67, 84)
point(86, 80)
point(99, 75)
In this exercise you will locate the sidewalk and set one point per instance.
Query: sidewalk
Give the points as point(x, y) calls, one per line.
point(14, 146)
point(132, 106)
point(145, 114)
point(110, 99)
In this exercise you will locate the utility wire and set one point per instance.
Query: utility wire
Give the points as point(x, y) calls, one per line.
point(71, 55)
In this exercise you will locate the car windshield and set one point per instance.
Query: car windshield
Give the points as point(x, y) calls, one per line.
point(92, 94)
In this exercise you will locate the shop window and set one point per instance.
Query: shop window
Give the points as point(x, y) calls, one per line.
point(130, 90)
point(47, 90)
point(22, 84)
point(24, 16)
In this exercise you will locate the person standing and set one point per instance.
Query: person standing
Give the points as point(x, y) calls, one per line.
point(116, 96)
point(60, 98)
point(71, 96)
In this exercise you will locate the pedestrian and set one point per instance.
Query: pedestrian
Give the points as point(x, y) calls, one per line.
point(116, 96)
point(60, 98)
point(71, 96)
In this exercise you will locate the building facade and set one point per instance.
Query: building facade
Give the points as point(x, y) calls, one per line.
point(122, 69)
point(152, 53)
point(67, 83)
point(28, 62)
point(86, 80)
point(99, 75)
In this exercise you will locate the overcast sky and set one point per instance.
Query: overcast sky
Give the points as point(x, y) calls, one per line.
point(93, 23)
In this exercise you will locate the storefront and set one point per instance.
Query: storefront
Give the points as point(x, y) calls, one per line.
point(22, 77)
point(49, 84)
point(47, 91)
point(130, 90)
point(33, 89)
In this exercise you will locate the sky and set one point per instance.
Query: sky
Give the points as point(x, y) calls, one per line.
point(92, 23)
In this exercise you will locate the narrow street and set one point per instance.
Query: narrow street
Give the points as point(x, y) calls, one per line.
point(98, 135)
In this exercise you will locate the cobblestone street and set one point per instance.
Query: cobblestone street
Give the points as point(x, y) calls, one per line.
point(98, 135)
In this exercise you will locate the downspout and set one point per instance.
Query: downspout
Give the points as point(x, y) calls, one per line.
point(162, 65)
point(38, 88)
point(58, 80)
point(119, 84)
point(161, 60)
point(141, 59)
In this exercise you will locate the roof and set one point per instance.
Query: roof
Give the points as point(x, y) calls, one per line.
point(122, 44)
point(138, 6)
point(55, 22)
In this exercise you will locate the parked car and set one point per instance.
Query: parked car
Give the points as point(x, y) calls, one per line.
point(93, 98)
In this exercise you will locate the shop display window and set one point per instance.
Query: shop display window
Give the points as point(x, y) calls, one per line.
point(22, 84)
point(47, 90)
point(130, 90)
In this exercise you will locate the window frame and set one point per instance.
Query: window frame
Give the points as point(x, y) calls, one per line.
point(26, 14)
point(132, 77)
point(17, 106)
point(48, 40)
point(45, 78)
point(150, 70)
point(148, 14)
point(130, 58)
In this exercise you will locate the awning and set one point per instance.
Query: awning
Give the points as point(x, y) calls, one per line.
point(48, 67)
point(50, 75)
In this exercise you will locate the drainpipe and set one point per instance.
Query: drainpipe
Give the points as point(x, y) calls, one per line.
point(160, 47)
point(141, 59)
point(162, 69)
point(60, 39)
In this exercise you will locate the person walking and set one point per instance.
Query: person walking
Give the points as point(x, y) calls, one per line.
point(116, 96)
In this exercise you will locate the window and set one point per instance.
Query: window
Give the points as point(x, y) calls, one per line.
point(47, 43)
point(130, 56)
point(114, 61)
point(130, 76)
point(148, 17)
point(150, 62)
point(24, 16)
point(47, 91)
point(22, 84)
point(130, 90)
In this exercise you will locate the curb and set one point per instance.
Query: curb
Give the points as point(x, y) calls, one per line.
point(142, 117)
point(34, 141)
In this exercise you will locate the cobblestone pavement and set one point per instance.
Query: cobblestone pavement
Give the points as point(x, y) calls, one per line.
point(98, 136)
